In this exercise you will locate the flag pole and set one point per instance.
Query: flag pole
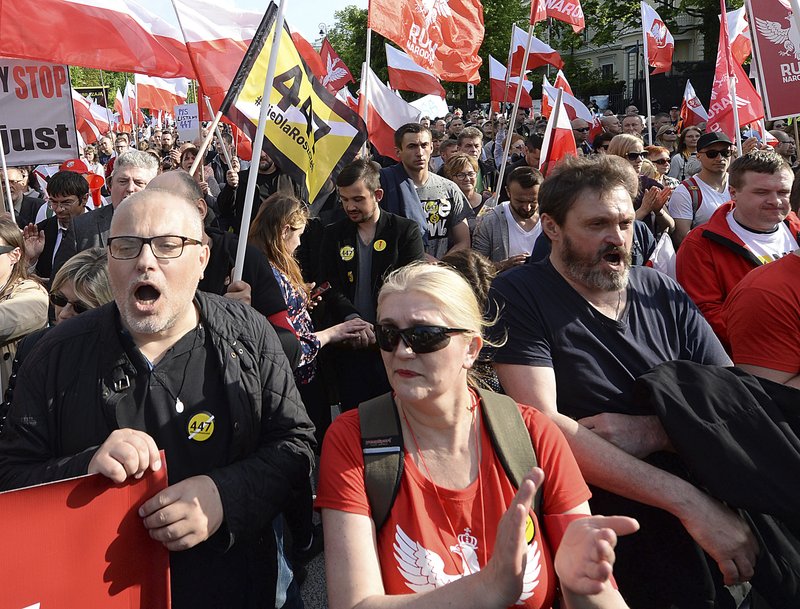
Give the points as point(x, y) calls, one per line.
point(225, 152)
point(204, 145)
point(258, 142)
point(508, 70)
point(547, 144)
point(105, 96)
point(6, 183)
point(512, 118)
point(647, 79)
point(364, 102)
point(723, 23)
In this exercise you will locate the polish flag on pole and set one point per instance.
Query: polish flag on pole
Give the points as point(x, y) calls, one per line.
point(739, 34)
point(558, 138)
point(561, 83)
point(442, 36)
point(337, 74)
point(497, 85)
point(386, 112)
point(540, 54)
point(131, 104)
point(217, 38)
point(405, 75)
point(692, 111)
point(133, 39)
point(101, 117)
point(573, 107)
point(84, 121)
point(348, 98)
point(660, 43)
point(121, 108)
point(160, 93)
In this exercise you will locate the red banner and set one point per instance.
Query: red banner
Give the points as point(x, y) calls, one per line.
point(776, 46)
point(80, 543)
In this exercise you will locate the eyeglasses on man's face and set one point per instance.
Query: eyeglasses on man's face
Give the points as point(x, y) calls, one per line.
point(164, 247)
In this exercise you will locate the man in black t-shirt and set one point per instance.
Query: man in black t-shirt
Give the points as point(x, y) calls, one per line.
point(579, 328)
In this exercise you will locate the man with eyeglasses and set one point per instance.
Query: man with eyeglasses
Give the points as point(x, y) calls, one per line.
point(25, 207)
point(199, 376)
point(68, 193)
point(506, 234)
point(693, 202)
point(755, 228)
point(580, 129)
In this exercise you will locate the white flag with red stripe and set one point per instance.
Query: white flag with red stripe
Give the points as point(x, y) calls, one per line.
point(540, 53)
point(131, 104)
point(561, 83)
point(497, 86)
point(405, 75)
point(84, 121)
point(348, 98)
point(121, 108)
point(660, 43)
point(558, 138)
point(157, 93)
point(692, 111)
point(386, 112)
point(739, 35)
point(573, 107)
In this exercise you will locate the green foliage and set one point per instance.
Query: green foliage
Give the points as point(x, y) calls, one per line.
point(348, 37)
point(89, 77)
point(585, 80)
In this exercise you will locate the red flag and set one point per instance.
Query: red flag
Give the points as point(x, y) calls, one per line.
point(348, 98)
point(497, 85)
point(692, 111)
point(547, 107)
point(568, 11)
point(739, 34)
point(337, 74)
point(442, 36)
point(386, 112)
point(160, 93)
point(538, 11)
point(748, 103)
point(405, 75)
point(558, 138)
point(540, 53)
point(660, 43)
point(84, 121)
point(309, 55)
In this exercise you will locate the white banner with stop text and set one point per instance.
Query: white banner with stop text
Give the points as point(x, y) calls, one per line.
point(37, 123)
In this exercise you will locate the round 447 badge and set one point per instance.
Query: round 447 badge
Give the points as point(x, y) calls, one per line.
point(201, 426)
point(347, 253)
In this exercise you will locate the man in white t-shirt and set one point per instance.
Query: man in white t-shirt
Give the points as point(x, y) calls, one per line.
point(710, 186)
point(506, 233)
point(755, 228)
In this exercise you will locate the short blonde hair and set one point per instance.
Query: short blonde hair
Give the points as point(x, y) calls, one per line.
point(622, 144)
point(88, 272)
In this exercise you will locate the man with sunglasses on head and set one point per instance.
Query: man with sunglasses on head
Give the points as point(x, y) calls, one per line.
point(201, 377)
point(693, 202)
point(755, 228)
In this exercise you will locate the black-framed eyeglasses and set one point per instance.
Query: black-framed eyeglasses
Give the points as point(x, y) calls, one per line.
point(164, 247)
point(56, 205)
point(636, 156)
point(420, 339)
point(57, 299)
point(713, 154)
point(464, 175)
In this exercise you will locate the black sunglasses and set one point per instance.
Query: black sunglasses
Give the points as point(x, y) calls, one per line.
point(420, 339)
point(57, 299)
point(582, 129)
point(713, 154)
point(661, 161)
point(635, 156)
point(670, 132)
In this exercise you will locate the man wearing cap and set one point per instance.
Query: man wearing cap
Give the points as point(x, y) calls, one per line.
point(754, 228)
point(674, 115)
point(785, 146)
point(698, 197)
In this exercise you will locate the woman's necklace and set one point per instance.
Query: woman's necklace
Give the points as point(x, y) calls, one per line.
point(463, 540)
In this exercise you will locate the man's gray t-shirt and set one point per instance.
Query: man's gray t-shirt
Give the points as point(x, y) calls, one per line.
point(444, 206)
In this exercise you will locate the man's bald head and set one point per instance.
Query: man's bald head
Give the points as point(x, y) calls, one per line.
point(181, 183)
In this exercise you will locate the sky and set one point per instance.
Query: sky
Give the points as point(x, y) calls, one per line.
point(306, 15)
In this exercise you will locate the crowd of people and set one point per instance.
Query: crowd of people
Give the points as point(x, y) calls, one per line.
point(459, 360)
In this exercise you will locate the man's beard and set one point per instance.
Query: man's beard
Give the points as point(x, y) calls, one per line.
point(586, 272)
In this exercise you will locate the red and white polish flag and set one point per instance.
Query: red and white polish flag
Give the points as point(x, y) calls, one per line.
point(692, 111)
point(739, 34)
point(561, 83)
point(573, 107)
point(559, 141)
point(84, 121)
point(660, 43)
point(540, 53)
point(497, 86)
point(160, 93)
point(405, 75)
point(348, 98)
point(386, 112)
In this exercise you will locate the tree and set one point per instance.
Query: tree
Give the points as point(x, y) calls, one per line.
point(348, 37)
point(88, 77)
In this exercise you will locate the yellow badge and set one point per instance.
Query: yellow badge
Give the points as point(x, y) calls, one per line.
point(347, 253)
point(350, 276)
point(201, 426)
point(380, 245)
point(529, 530)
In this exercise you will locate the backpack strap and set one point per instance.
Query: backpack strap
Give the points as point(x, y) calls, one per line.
point(382, 447)
point(510, 439)
point(695, 195)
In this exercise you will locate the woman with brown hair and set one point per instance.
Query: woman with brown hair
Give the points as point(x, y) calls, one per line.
point(684, 162)
point(23, 301)
point(463, 170)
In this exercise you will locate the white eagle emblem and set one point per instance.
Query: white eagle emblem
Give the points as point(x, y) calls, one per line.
point(432, 10)
point(788, 38)
point(333, 73)
point(423, 569)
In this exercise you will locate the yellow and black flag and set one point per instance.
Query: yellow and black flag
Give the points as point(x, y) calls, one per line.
point(310, 134)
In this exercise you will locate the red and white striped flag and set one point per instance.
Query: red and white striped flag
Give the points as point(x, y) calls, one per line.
point(348, 98)
point(386, 112)
point(497, 86)
point(558, 138)
point(561, 83)
point(160, 93)
point(692, 111)
point(660, 43)
point(540, 53)
point(405, 75)
point(84, 121)
point(739, 34)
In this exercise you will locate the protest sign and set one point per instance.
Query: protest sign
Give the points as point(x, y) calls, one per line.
point(776, 46)
point(36, 120)
point(80, 543)
point(187, 121)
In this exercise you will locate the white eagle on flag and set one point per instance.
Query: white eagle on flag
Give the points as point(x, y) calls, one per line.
point(788, 38)
point(333, 73)
point(433, 10)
